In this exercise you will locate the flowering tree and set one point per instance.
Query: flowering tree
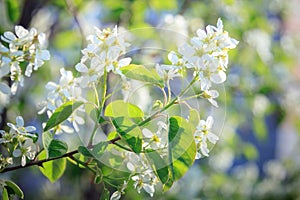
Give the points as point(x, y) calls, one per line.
point(142, 146)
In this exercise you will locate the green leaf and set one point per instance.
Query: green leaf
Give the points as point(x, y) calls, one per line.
point(132, 137)
point(105, 194)
point(194, 117)
point(85, 151)
point(47, 137)
point(5, 194)
point(53, 169)
point(119, 108)
point(182, 147)
point(15, 188)
point(99, 149)
point(57, 148)
point(61, 114)
point(160, 166)
point(141, 73)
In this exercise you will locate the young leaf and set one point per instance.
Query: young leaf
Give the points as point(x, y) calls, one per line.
point(53, 169)
point(5, 194)
point(182, 147)
point(119, 108)
point(133, 137)
point(141, 73)
point(47, 137)
point(57, 148)
point(15, 188)
point(62, 113)
point(99, 149)
point(85, 151)
point(194, 117)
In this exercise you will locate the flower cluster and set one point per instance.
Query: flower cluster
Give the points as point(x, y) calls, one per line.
point(24, 47)
point(207, 55)
point(19, 142)
point(144, 177)
point(102, 54)
point(67, 89)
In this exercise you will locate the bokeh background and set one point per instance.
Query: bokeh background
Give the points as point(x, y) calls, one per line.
point(257, 156)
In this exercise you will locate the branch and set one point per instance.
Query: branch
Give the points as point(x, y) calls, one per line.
point(40, 162)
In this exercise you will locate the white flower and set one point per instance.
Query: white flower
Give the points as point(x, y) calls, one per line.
point(117, 194)
point(102, 53)
point(207, 53)
point(210, 95)
point(202, 135)
point(158, 140)
point(28, 149)
point(146, 180)
point(19, 127)
point(166, 72)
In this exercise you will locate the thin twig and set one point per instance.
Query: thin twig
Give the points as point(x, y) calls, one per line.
point(40, 162)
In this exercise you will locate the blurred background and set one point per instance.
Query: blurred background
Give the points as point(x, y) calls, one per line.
point(257, 156)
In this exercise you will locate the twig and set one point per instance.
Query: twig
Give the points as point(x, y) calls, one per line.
point(40, 162)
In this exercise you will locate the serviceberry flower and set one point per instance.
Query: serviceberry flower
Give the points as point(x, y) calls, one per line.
point(26, 150)
point(202, 135)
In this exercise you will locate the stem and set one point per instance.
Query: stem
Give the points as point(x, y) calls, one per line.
point(169, 91)
point(104, 89)
point(40, 162)
point(93, 134)
point(83, 163)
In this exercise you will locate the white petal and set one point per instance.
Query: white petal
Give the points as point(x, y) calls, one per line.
point(213, 102)
point(147, 133)
point(28, 70)
point(204, 150)
point(20, 121)
point(8, 36)
point(30, 128)
point(219, 77)
point(220, 25)
point(173, 57)
point(21, 31)
point(116, 195)
point(124, 62)
point(213, 93)
point(212, 138)
point(198, 155)
point(149, 189)
point(17, 153)
point(209, 122)
point(23, 160)
point(51, 86)
point(81, 67)
point(44, 54)
point(201, 34)
point(131, 167)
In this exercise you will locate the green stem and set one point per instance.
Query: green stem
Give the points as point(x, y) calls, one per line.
point(83, 163)
point(169, 91)
point(104, 88)
point(93, 134)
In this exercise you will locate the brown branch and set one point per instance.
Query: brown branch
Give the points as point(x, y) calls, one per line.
point(40, 162)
